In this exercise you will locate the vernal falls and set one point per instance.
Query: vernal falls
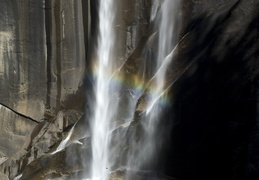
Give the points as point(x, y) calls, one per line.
point(129, 89)
point(127, 134)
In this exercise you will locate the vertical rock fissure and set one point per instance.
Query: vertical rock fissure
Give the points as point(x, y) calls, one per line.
point(48, 28)
point(85, 14)
point(58, 35)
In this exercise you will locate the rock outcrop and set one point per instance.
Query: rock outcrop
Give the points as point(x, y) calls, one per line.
point(42, 55)
point(42, 69)
point(46, 53)
point(15, 131)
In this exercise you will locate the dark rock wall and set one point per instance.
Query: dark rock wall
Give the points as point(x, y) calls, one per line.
point(214, 109)
point(46, 49)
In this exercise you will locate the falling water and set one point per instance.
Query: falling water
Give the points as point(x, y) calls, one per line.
point(107, 105)
point(146, 151)
point(164, 18)
point(64, 142)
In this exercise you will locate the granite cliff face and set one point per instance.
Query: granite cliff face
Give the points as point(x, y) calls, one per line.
point(46, 49)
point(42, 68)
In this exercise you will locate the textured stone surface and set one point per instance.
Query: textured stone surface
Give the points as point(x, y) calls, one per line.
point(42, 55)
point(15, 131)
point(65, 62)
point(45, 51)
point(23, 54)
point(214, 108)
point(42, 67)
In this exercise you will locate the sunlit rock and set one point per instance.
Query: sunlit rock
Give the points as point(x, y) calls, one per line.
point(209, 92)
point(15, 139)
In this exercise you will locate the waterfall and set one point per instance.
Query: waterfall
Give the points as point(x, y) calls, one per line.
point(143, 151)
point(164, 19)
point(146, 151)
point(105, 107)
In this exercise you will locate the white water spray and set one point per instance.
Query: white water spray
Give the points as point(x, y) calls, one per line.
point(145, 152)
point(165, 19)
point(105, 106)
point(64, 143)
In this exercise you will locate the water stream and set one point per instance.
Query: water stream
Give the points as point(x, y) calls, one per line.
point(108, 104)
point(105, 107)
point(164, 16)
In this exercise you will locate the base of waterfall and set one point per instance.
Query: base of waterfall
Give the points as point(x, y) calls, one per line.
point(136, 175)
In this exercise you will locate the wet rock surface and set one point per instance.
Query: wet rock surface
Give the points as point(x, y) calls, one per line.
point(215, 106)
point(138, 175)
point(213, 87)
